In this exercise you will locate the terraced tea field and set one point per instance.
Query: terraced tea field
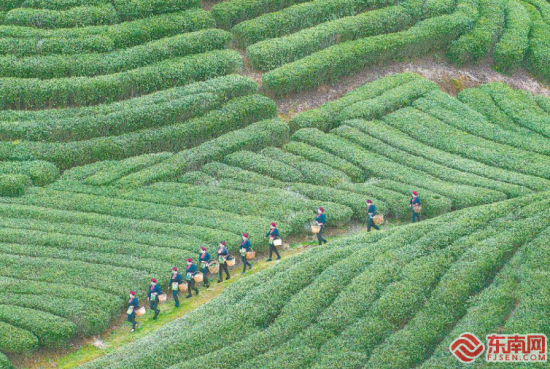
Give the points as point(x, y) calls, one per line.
point(130, 135)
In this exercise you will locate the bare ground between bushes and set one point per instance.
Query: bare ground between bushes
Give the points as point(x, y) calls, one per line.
point(449, 77)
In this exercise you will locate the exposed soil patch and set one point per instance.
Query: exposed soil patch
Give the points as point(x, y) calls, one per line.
point(451, 78)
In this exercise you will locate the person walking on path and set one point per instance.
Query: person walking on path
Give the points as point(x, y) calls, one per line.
point(190, 273)
point(222, 259)
point(415, 203)
point(371, 210)
point(245, 247)
point(153, 297)
point(204, 259)
point(133, 305)
point(321, 221)
point(273, 235)
point(175, 280)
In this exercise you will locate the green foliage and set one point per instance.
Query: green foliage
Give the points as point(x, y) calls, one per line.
point(91, 64)
point(270, 54)
point(264, 165)
point(40, 172)
point(22, 93)
point(133, 9)
point(73, 17)
point(60, 4)
point(16, 340)
point(4, 362)
point(511, 48)
point(344, 59)
point(14, 184)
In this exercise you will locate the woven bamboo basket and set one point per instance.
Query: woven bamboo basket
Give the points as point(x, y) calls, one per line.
point(198, 277)
point(315, 229)
point(214, 267)
point(417, 208)
point(230, 260)
point(162, 297)
point(250, 255)
point(183, 287)
point(140, 311)
point(378, 219)
point(278, 242)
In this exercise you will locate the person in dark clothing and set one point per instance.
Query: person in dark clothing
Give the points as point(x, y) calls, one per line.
point(133, 305)
point(190, 273)
point(273, 235)
point(415, 201)
point(321, 221)
point(371, 210)
point(153, 297)
point(204, 259)
point(245, 247)
point(175, 280)
point(222, 259)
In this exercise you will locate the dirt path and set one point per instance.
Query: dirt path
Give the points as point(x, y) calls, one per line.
point(451, 79)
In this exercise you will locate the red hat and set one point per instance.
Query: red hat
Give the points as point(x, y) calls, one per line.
point(415, 193)
point(203, 248)
point(322, 210)
point(223, 243)
point(153, 280)
point(190, 260)
point(245, 235)
point(273, 224)
point(175, 269)
point(132, 293)
point(369, 202)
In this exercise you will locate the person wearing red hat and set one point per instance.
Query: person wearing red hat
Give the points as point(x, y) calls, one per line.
point(190, 273)
point(222, 259)
point(371, 210)
point(175, 280)
point(133, 304)
point(245, 247)
point(415, 201)
point(321, 221)
point(153, 297)
point(273, 235)
point(204, 259)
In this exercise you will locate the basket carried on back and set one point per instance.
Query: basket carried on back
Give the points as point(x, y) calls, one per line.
point(230, 260)
point(140, 311)
point(198, 277)
point(214, 267)
point(417, 208)
point(250, 255)
point(378, 219)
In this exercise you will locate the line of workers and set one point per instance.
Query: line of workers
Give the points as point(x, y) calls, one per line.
point(176, 278)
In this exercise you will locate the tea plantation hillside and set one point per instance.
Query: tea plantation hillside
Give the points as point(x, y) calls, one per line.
point(387, 300)
point(131, 133)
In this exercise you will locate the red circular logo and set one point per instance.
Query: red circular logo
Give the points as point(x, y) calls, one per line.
point(467, 347)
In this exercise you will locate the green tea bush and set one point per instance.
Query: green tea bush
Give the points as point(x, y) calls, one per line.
point(92, 64)
point(73, 17)
point(270, 54)
point(264, 165)
point(22, 93)
point(133, 9)
point(14, 184)
point(40, 172)
point(4, 362)
point(511, 48)
point(24, 41)
point(60, 4)
point(16, 340)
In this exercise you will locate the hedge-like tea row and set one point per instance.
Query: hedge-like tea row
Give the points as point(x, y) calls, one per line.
point(271, 54)
point(402, 141)
point(453, 112)
point(133, 9)
point(342, 304)
point(347, 58)
point(436, 133)
point(40, 172)
point(227, 87)
point(18, 93)
point(91, 64)
point(4, 361)
point(162, 109)
point(511, 48)
point(13, 185)
point(229, 13)
point(235, 114)
point(538, 55)
point(474, 45)
point(378, 166)
point(291, 19)
point(16, 340)
point(264, 133)
point(74, 17)
point(264, 165)
point(326, 116)
point(23, 41)
point(60, 4)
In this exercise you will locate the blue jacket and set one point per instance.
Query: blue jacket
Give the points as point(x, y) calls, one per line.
point(133, 302)
point(154, 289)
point(415, 201)
point(191, 269)
point(371, 210)
point(273, 233)
point(206, 258)
point(246, 245)
point(177, 278)
point(321, 219)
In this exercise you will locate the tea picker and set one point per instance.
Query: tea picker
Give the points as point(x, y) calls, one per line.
point(175, 280)
point(189, 277)
point(274, 240)
point(321, 221)
point(415, 206)
point(204, 259)
point(153, 297)
point(371, 210)
point(223, 254)
point(133, 305)
point(245, 249)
